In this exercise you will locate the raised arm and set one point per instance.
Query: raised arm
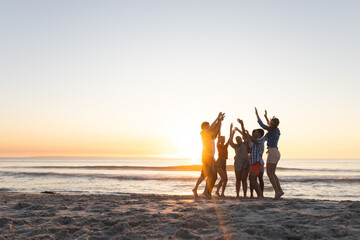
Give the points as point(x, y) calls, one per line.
point(259, 120)
point(241, 132)
point(251, 138)
point(228, 141)
point(242, 125)
point(216, 125)
point(246, 139)
point(232, 144)
point(248, 149)
point(213, 125)
point(266, 117)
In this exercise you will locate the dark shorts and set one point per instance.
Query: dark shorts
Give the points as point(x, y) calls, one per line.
point(221, 164)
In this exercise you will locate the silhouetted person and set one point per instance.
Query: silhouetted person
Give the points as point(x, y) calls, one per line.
point(241, 162)
point(208, 135)
point(222, 148)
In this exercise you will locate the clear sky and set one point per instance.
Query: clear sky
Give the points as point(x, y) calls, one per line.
point(137, 78)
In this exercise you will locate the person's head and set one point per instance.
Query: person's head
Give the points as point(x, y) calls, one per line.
point(205, 126)
point(239, 140)
point(274, 122)
point(221, 139)
point(258, 133)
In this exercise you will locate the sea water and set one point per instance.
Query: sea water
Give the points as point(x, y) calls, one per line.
point(300, 178)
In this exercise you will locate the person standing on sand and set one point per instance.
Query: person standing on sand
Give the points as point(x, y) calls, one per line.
point(222, 148)
point(260, 177)
point(256, 161)
point(208, 172)
point(272, 138)
point(261, 182)
point(241, 164)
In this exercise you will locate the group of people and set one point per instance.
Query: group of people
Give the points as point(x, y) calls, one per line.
point(248, 160)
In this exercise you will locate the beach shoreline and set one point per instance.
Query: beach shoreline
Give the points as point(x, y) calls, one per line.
point(151, 216)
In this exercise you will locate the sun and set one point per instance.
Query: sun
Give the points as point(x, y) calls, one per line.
point(188, 145)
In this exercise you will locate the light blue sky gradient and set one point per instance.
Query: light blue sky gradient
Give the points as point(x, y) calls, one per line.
point(131, 70)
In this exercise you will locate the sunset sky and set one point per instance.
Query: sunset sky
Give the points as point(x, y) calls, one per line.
point(137, 78)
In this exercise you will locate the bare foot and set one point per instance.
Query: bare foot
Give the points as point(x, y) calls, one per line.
point(222, 195)
point(217, 194)
point(278, 195)
point(206, 195)
point(195, 193)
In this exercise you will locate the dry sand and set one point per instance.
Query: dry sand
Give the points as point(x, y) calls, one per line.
point(60, 216)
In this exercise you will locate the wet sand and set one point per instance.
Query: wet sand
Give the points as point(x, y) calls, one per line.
point(135, 216)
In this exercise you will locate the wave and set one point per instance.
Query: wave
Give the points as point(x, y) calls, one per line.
point(177, 168)
point(315, 180)
point(5, 189)
point(171, 178)
point(82, 175)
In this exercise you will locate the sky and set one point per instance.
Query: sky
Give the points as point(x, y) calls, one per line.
point(137, 78)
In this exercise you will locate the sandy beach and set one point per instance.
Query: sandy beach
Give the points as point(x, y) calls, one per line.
point(60, 216)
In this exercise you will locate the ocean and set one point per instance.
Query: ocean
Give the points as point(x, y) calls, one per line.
point(300, 178)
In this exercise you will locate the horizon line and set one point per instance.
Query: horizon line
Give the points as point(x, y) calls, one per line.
point(161, 157)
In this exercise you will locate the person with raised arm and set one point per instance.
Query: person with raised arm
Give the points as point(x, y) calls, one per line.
point(272, 138)
point(256, 161)
point(208, 172)
point(260, 177)
point(222, 148)
point(241, 164)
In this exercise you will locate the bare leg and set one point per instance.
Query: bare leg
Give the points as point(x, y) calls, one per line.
point(278, 185)
point(251, 189)
point(255, 184)
point(223, 177)
point(238, 182)
point(224, 184)
point(280, 191)
point(218, 187)
point(261, 181)
point(270, 170)
point(198, 182)
point(244, 176)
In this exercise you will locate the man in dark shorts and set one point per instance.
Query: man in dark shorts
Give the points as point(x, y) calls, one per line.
point(208, 172)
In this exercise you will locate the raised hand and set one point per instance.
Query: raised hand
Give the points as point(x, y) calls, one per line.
point(222, 116)
point(257, 114)
point(265, 114)
point(240, 121)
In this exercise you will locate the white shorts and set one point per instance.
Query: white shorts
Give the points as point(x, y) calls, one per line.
point(273, 155)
